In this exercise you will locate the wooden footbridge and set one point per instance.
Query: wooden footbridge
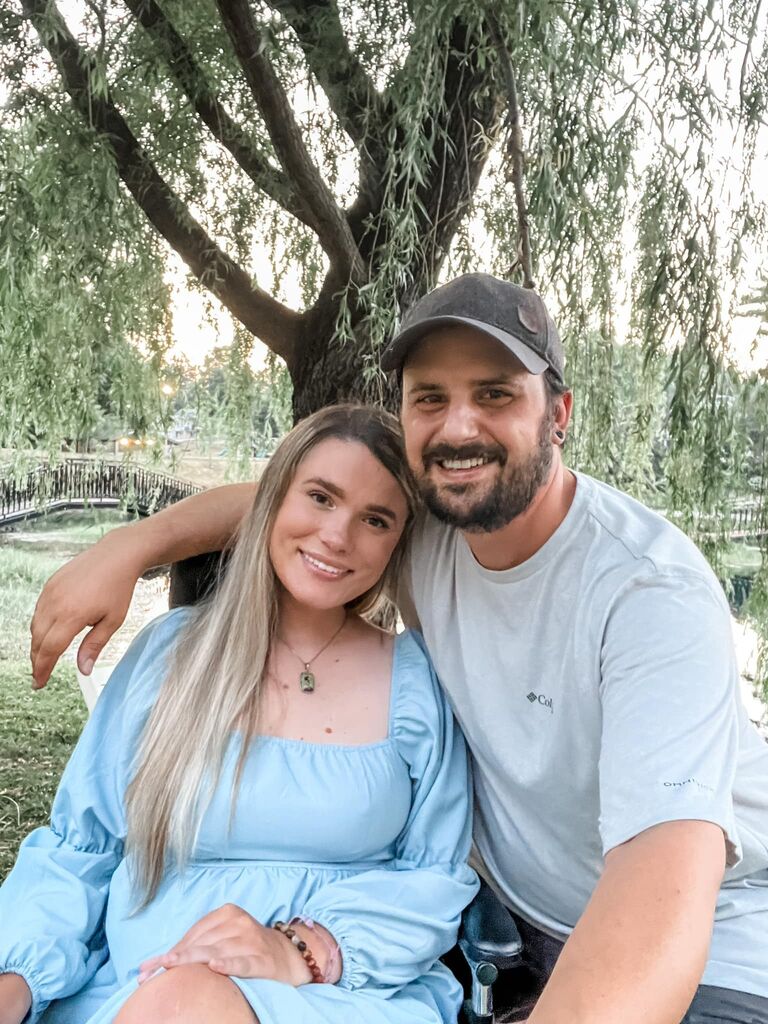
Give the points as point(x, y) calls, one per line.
point(749, 520)
point(88, 483)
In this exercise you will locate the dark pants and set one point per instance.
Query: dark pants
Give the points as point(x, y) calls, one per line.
point(710, 1005)
point(724, 1006)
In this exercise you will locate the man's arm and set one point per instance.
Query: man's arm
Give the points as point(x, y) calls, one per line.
point(95, 588)
point(639, 949)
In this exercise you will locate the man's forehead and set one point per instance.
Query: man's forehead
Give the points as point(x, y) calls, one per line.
point(461, 353)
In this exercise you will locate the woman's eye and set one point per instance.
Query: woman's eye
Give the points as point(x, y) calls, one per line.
point(320, 498)
point(378, 522)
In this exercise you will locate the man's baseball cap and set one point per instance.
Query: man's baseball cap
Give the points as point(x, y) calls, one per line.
point(513, 315)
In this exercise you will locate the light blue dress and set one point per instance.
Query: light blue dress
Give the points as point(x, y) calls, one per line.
point(370, 841)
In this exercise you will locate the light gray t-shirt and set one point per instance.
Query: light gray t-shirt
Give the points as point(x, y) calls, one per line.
point(597, 687)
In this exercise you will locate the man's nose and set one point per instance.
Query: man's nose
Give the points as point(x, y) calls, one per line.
point(460, 424)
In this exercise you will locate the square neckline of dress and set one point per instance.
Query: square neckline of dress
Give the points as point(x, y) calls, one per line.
point(259, 738)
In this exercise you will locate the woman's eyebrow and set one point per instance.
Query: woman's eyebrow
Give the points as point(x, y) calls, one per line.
point(334, 489)
point(381, 510)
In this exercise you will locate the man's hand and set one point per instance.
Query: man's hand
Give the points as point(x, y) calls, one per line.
point(230, 941)
point(639, 949)
point(95, 590)
point(15, 999)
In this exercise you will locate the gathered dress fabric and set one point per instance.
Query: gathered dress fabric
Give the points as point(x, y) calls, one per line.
point(370, 841)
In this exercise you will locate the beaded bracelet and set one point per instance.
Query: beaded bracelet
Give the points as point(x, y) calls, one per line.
point(303, 948)
point(333, 951)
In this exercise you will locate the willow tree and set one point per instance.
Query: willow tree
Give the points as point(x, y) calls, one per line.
point(317, 164)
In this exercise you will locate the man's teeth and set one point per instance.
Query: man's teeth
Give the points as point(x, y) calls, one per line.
point(463, 463)
point(322, 565)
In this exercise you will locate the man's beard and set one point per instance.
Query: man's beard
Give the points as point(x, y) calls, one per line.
point(511, 494)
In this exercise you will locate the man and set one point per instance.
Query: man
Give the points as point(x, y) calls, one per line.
point(585, 645)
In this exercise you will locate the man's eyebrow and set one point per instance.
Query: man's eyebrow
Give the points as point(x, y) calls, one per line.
point(334, 489)
point(508, 380)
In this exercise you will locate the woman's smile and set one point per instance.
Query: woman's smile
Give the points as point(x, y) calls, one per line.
point(322, 567)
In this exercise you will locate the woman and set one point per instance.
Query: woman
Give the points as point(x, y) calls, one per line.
point(266, 817)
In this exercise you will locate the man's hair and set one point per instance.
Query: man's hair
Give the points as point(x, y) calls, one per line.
point(553, 386)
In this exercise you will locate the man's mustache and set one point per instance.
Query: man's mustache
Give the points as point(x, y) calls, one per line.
point(440, 452)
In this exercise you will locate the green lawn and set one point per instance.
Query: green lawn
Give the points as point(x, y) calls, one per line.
point(38, 729)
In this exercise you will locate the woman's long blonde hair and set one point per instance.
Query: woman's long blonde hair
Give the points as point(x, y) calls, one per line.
point(216, 671)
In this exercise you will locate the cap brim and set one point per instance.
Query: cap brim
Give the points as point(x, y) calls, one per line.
point(395, 353)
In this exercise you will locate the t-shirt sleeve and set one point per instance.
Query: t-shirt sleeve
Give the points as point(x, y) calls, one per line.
point(669, 697)
point(404, 596)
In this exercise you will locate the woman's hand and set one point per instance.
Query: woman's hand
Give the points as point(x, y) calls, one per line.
point(232, 942)
point(94, 589)
point(15, 999)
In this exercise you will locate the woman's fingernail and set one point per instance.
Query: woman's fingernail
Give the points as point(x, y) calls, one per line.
point(87, 666)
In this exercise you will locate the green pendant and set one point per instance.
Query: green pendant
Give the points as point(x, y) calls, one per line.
point(307, 682)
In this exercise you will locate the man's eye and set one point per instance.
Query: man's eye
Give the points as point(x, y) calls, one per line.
point(429, 399)
point(495, 394)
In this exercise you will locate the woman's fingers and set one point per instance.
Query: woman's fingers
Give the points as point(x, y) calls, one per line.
point(227, 921)
point(228, 936)
point(232, 959)
point(234, 966)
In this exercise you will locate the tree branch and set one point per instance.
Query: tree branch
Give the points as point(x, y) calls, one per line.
point(193, 81)
point(330, 224)
point(351, 94)
point(748, 55)
point(275, 324)
point(515, 150)
point(464, 126)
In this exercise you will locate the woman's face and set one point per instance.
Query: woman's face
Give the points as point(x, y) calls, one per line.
point(337, 526)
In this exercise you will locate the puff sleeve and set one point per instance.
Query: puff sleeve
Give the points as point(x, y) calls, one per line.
point(52, 903)
point(393, 922)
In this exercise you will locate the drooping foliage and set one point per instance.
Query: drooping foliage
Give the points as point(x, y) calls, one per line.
point(318, 164)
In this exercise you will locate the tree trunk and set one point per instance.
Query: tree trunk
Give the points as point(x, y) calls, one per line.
point(331, 371)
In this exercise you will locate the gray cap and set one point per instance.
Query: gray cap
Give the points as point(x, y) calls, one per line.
point(513, 315)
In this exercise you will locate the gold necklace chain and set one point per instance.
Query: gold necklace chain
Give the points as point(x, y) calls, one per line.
point(307, 678)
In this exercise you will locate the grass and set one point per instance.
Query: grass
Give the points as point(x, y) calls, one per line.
point(22, 575)
point(742, 559)
point(37, 733)
point(37, 729)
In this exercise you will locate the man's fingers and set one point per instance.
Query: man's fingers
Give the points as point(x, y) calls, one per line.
point(45, 655)
point(93, 644)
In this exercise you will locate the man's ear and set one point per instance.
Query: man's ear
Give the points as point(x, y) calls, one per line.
point(563, 410)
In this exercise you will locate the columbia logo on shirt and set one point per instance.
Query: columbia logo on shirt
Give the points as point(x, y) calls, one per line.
point(540, 698)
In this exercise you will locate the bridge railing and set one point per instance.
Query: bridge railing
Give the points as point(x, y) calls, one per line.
point(84, 480)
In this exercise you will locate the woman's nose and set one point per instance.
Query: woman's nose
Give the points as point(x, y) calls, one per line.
point(335, 533)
